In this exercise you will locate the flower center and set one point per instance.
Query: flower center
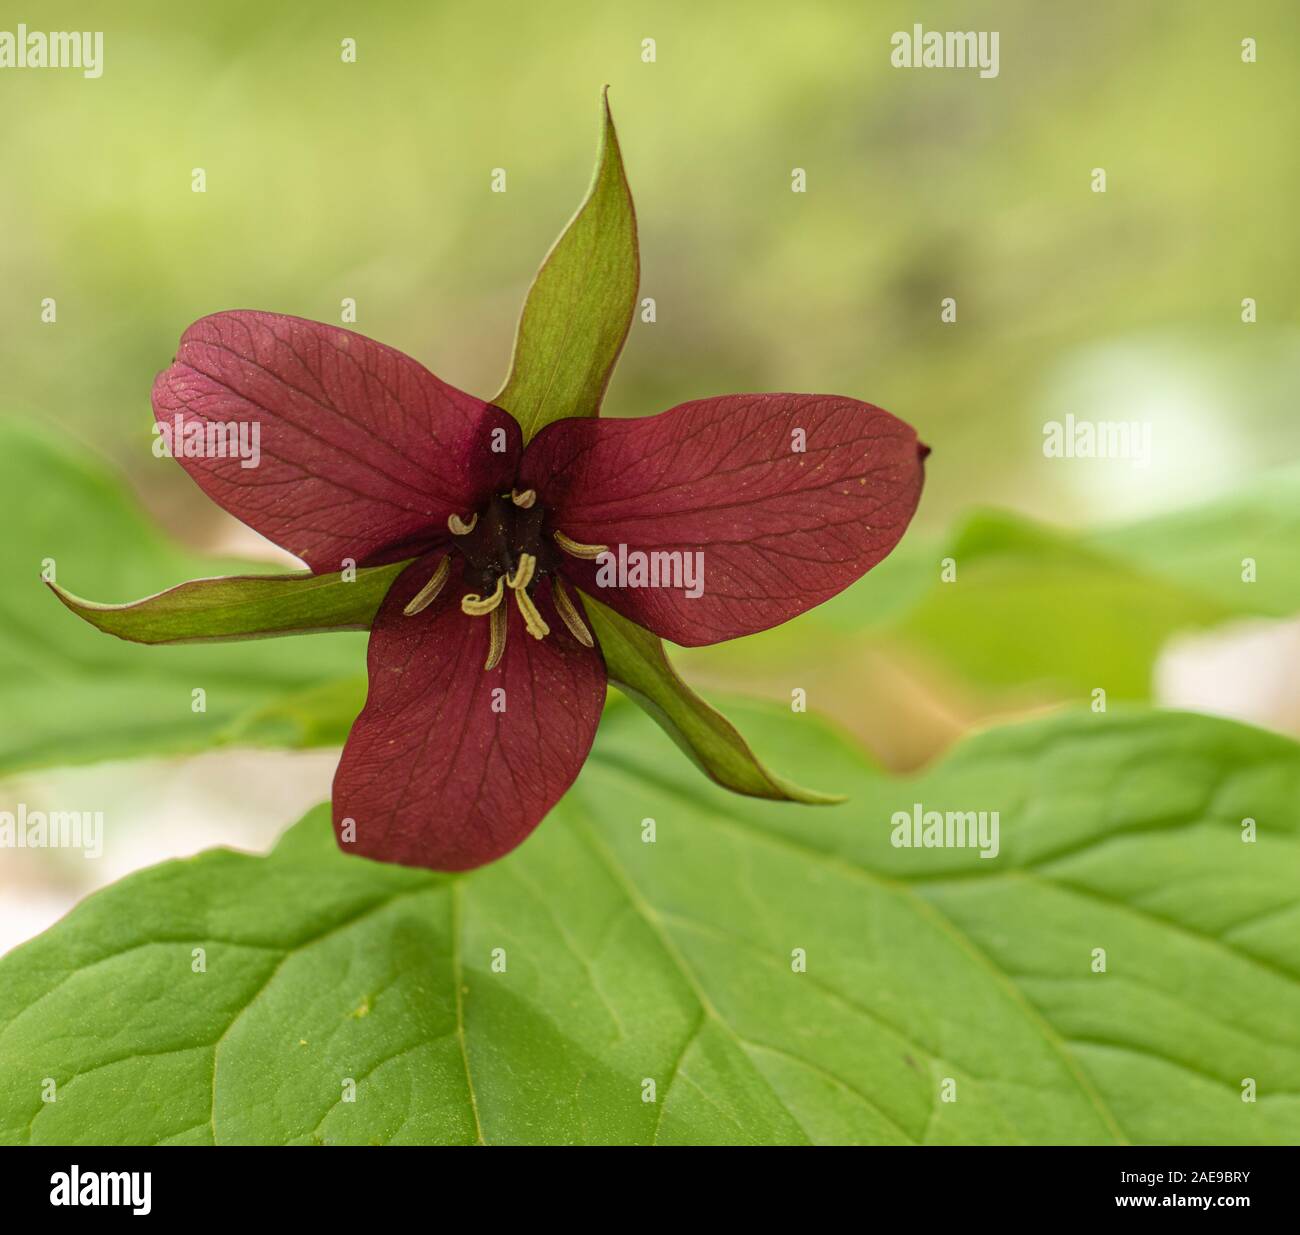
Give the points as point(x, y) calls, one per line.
point(506, 550)
point(499, 542)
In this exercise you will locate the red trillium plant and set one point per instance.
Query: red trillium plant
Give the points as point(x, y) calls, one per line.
point(510, 557)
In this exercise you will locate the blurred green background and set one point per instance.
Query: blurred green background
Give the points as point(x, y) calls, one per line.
point(327, 180)
point(371, 180)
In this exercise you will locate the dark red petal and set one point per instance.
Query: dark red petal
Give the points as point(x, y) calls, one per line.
point(431, 775)
point(362, 449)
point(780, 530)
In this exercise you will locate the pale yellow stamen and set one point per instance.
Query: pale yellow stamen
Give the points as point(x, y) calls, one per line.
point(523, 575)
point(532, 619)
point(568, 611)
point(477, 606)
point(525, 499)
point(517, 582)
point(458, 525)
point(572, 547)
point(496, 637)
point(429, 592)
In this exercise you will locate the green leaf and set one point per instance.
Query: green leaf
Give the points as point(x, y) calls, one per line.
point(579, 308)
point(1015, 580)
point(1202, 550)
point(639, 667)
point(672, 961)
point(244, 607)
point(67, 694)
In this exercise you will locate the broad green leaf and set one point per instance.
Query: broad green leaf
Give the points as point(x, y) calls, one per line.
point(243, 607)
point(580, 305)
point(639, 667)
point(782, 976)
point(1204, 550)
point(1110, 599)
point(70, 695)
point(1033, 607)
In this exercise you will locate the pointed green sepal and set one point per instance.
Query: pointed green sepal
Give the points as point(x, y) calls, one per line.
point(243, 607)
point(580, 305)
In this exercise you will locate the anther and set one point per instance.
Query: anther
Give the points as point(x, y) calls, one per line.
point(477, 606)
point(533, 621)
point(568, 611)
point(496, 637)
point(574, 549)
point(429, 592)
point(525, 499)
point(459, 527)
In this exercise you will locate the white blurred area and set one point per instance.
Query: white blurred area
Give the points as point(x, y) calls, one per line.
point(153, 809)
point(1185, 396)
point(1248, 671)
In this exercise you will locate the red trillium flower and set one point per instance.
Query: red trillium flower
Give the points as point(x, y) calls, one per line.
point(490, 548)
point(486, 680)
